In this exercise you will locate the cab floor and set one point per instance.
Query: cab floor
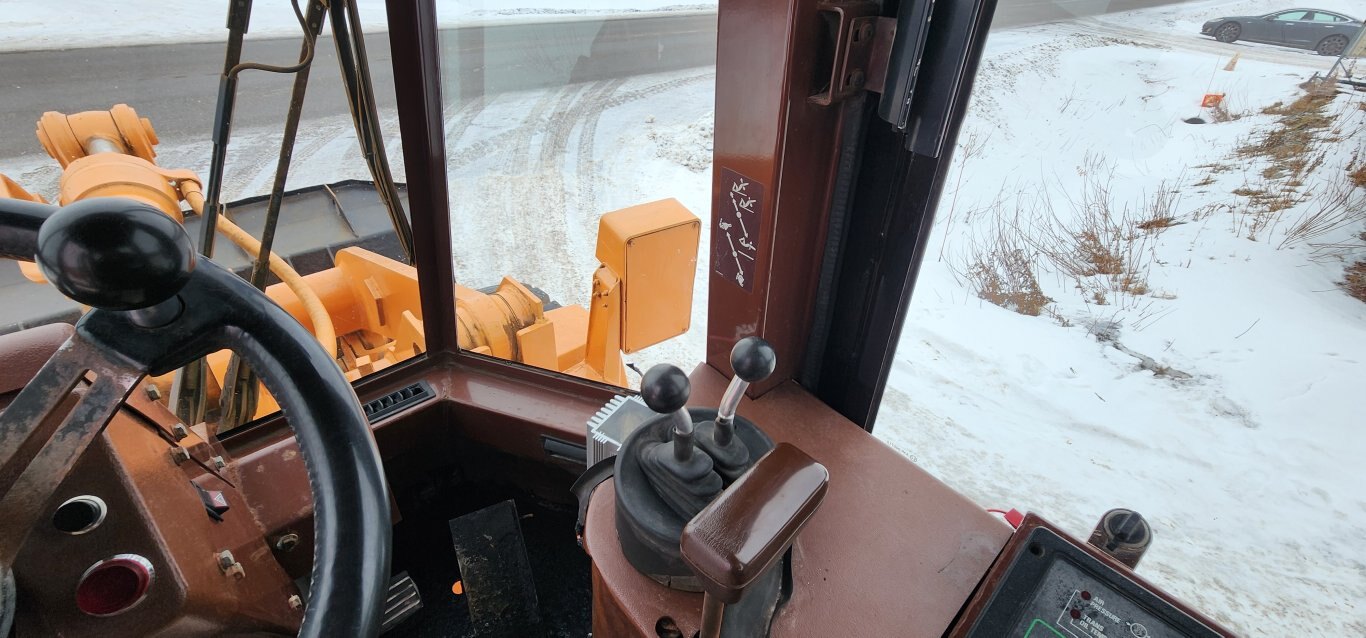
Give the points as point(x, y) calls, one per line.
point(423, 548)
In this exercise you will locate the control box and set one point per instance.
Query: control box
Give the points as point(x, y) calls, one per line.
point(1046, 584)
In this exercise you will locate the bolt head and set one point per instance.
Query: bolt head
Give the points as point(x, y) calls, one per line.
point(287, 542)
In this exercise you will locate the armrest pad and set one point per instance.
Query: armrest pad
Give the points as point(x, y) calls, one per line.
point(738, 536)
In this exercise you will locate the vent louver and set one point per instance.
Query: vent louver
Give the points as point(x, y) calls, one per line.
point(398, 400)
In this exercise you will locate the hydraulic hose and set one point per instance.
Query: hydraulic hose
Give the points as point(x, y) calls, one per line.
point(317, 312)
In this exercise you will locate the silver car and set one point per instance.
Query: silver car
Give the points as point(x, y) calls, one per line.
point(1326, 32)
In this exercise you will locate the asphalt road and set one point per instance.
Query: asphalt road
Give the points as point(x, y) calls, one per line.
point(176, 85)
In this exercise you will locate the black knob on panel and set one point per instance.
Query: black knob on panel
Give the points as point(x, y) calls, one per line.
point(114, 253)
point(753, 359)
point(665, 388)
point(1123, 534)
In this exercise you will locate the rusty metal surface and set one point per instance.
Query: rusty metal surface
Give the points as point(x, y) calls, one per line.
point(31, 471)
point(154, 512)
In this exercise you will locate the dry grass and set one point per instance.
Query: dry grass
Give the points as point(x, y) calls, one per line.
point(1358, 175)
point(1001, 267)
point(1336, 206)
point(1105, 246)
point(1289, 145)
point(1354, 280)
point(1006, 278)
point(1158, 223)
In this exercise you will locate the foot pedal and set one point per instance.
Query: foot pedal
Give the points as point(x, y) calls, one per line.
point(403, 601)
point(495, 572)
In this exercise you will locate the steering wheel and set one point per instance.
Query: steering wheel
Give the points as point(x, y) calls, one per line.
point(156, 307)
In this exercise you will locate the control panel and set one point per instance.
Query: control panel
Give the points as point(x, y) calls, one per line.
point(1047, 585)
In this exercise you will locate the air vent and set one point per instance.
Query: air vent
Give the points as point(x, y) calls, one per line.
point(398, 400)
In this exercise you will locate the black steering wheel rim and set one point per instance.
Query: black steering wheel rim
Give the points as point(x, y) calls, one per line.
point(212, 310)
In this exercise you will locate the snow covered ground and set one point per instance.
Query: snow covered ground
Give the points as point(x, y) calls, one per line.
point(31, 25)
point(1249, 469)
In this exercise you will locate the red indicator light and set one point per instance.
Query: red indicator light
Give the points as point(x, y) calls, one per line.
point(114, 585)
point(1086, 595)
point(1076, 613)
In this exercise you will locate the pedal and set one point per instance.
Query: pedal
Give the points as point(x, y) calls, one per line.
point(496, 573)
point(403, 601)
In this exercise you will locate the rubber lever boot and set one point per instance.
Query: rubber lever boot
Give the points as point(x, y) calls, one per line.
point(753, 360)
point(683, 478)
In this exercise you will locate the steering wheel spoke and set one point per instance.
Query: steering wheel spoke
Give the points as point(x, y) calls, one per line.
point(40, 441)
point(157, 308)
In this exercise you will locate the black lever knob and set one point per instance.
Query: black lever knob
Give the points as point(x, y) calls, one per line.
point(753, 359)
point(665, 388)
point(115, 253)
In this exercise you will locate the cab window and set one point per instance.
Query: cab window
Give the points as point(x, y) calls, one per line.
point(579, 164)
point(1146, 288)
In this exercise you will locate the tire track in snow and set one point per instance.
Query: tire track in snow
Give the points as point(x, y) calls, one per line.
point(516, 137)
point(587, 167)
point(581, 219)
point(499, 213)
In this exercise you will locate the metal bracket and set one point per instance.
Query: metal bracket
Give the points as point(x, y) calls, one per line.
point(862, 44)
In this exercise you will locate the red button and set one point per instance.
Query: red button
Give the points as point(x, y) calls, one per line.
point(114, 585)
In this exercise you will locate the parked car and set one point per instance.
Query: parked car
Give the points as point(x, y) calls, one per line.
point(1326, 32)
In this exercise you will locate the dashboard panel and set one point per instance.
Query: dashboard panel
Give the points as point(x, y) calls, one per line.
point(1049, 585)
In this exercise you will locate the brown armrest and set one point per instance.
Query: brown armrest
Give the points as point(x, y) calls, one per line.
point(738, 536)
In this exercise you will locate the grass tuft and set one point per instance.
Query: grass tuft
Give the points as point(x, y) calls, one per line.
point(1354, 280)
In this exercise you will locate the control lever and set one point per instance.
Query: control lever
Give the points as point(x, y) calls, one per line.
point(753, 360)
point(744, 533)
point(685, 480)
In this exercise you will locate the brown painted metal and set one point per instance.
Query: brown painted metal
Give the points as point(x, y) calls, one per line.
point(480, 402)
point(417, 91)
point(768, 132)
point(938, 543)
point(35, 455)
point(25, 353)
point(154, 512)
point(738, 536)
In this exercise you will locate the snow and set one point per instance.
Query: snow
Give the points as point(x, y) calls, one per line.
point(31, 25)
point(1248, 470)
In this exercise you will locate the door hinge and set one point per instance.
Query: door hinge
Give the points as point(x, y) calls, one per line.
point(862, 43)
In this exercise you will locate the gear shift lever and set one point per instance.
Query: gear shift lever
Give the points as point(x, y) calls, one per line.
point(670, 467)
point(684, 479)
point(753, 360)
point(665, 389)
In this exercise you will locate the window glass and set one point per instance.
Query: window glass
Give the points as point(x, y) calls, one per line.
point(334, 231)
point(1320, 16)
point(578, 147)
point(1144, 288)
point(1292, 15)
